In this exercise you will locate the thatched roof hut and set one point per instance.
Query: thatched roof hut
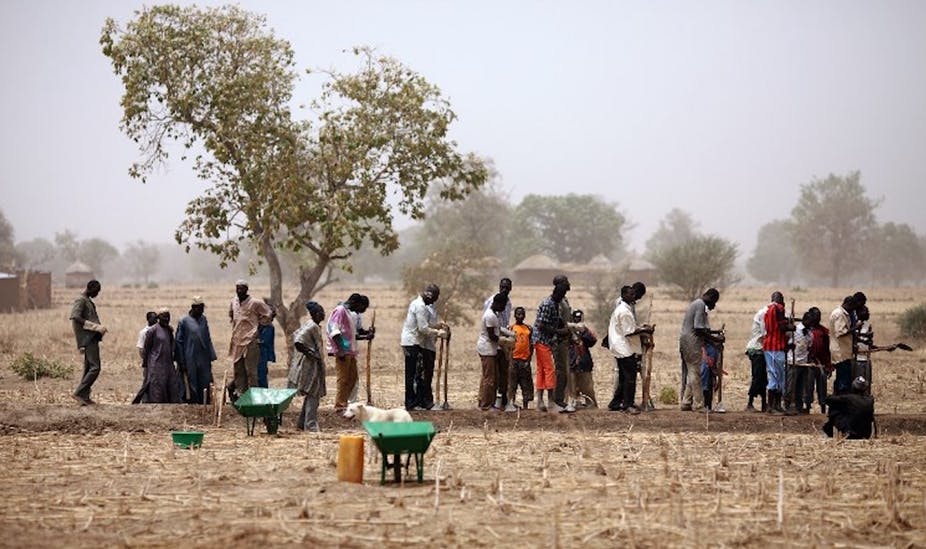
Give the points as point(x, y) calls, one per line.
point(77, 275)
point(536, 270)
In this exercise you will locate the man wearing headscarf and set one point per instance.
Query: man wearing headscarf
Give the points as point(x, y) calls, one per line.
point(307, 371)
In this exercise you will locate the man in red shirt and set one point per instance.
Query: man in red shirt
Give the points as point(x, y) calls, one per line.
point(774, 345)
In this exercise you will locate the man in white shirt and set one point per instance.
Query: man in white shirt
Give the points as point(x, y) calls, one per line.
point(504, 320)
point(624, 343)
point(841, 337)
point(418, 332)
point(757, 360)
point(487, 347)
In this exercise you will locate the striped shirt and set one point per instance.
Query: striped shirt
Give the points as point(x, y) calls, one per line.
point(775, 338)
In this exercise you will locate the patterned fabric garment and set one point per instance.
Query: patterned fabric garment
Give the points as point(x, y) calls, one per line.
point(307, 373)
point(547, 316)
point(341, 323)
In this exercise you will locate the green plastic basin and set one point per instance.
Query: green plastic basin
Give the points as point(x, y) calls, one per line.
point(187, 439)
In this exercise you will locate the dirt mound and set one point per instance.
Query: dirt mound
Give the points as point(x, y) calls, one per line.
point(163, 417)
point(97, 419)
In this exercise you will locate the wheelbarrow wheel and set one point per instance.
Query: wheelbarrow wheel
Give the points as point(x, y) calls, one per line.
point(273, 423)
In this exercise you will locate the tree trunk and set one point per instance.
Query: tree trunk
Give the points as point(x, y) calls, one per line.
point(289, 318)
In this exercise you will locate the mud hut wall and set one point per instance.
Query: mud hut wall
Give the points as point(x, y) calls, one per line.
point(35, 289)
point(78, 279)
point(9, 294)
point(534, 277)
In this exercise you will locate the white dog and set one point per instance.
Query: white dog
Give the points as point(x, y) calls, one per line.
point(371, 413)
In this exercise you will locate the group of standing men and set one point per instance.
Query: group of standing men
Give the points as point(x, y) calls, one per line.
point(787, 387)
point(558, 338)
point(561, 342)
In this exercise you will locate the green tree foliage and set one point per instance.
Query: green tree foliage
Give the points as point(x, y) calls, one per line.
point(676, 227)
point(833, 220)
point(8, 255)
point(698, 264)
point(774, 259)
point(571, 228)
point(219, 81)
point(142, 259)
point(96, 252)
point(896, 254)
point(464, 278)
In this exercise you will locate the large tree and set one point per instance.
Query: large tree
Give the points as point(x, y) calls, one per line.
point(697, 264)
point(833, 220)
point(38, 253)
point(96, 252)
point(220, 82)
point(142, 259)
point(774, 258)
point(572, 227)
point(7, 247)
point(67, 245)
point(462, 243)
point(464, 277)
point(896, 254)
point(676, 227)
point(479, 223)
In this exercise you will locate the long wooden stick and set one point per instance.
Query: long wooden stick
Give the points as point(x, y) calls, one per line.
point(218, 415)
point(439, 368)
point(445, 405)
point(369, 357)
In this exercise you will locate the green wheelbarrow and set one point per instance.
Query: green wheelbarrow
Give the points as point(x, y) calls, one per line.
point(268, 404)
point(412, 438)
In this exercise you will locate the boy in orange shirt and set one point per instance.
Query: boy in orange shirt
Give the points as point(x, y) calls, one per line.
point(520, 372)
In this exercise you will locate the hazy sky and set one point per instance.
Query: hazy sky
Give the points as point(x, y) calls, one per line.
point(720, 108)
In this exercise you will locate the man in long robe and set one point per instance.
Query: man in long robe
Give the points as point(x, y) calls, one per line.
point(307, 371)
point(163, 382)
point(195, 351)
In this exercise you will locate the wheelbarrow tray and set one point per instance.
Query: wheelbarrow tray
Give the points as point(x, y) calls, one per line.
point(259, 402)
point(412, 438)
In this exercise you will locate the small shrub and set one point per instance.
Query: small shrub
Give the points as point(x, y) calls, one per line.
point(152, 285)
point(912, 322)
point(28, 366)
point(668, 395)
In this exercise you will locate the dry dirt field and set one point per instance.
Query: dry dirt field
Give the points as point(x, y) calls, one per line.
point(107, 475)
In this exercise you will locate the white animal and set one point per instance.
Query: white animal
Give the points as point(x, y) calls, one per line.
point(371, 413)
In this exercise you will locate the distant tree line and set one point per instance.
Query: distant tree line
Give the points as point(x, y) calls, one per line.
point(833, 238)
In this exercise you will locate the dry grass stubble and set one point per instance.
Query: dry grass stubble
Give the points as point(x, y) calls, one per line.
point(109, 476)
